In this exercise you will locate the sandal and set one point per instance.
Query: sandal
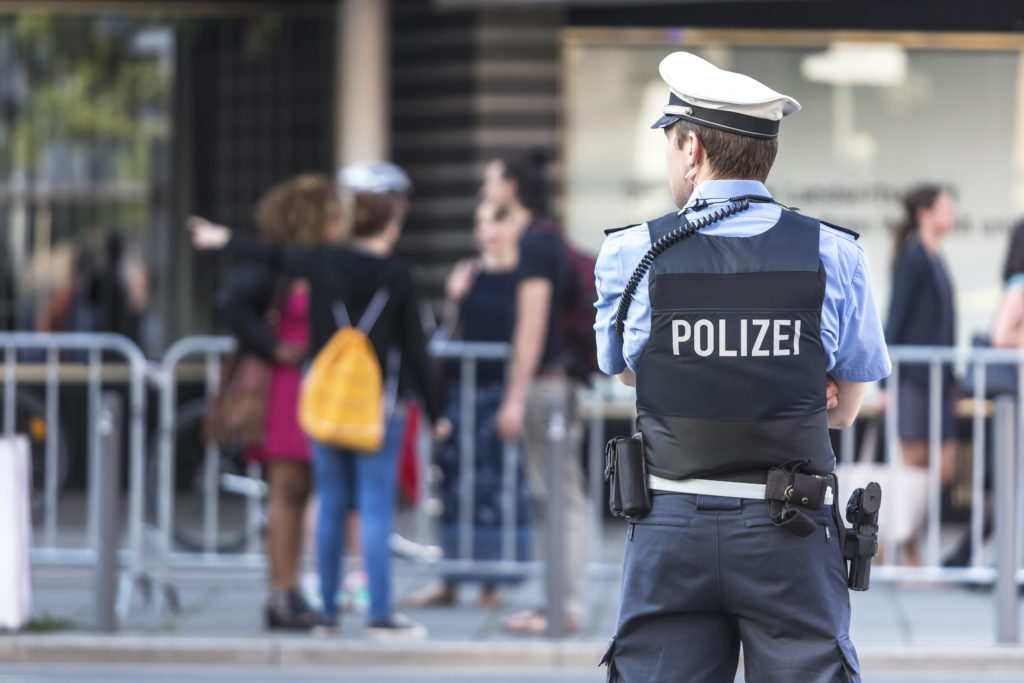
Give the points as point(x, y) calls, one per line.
point(434, 595)
point(489, 598)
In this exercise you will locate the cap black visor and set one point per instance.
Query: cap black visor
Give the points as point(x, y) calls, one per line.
point(666, 120)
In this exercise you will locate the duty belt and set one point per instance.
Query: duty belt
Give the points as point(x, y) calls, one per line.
point(715, 487)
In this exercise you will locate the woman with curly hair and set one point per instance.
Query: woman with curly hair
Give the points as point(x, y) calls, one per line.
point(268, 311)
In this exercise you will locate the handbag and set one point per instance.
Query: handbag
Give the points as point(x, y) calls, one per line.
point(904, 490)
point(236, 415)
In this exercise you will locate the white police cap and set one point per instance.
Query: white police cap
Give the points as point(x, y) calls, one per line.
point(702, 93)
point(376, 177)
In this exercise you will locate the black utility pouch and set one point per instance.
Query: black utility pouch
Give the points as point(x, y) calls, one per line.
point(789, 493)
point(791, 519)
point(796, 488)
point(626, 473)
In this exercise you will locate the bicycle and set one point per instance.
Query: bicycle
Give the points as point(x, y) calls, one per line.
point(234, 486)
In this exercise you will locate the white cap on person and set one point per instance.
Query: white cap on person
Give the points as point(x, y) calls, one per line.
point(702, 93)
point(375, 177)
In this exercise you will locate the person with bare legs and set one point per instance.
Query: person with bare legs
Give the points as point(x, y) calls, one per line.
point(921, 312)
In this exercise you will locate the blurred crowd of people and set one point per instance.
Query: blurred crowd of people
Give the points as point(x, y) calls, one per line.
point(96, 284)
point(326, 245)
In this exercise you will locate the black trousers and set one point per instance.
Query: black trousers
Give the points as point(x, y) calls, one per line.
point(704, 575)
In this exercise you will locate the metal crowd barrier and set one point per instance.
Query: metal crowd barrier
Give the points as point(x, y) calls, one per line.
point(211, 348)
point(980, 359)
point(52, 373)
point(1007, 423)
point(604, 399)
point(174, 561)
point(998, 563)
point(469, 355)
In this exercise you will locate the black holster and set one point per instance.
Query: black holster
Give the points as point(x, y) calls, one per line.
point(860, 541)
point(625, 470)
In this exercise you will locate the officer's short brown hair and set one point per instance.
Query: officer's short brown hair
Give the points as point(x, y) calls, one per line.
point(731, 155)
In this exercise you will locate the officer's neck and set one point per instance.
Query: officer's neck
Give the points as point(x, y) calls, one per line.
point(702, 189)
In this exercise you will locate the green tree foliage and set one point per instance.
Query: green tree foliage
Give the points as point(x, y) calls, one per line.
point(84, 81)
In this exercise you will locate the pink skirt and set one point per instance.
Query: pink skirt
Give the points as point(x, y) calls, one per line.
point(284, 439)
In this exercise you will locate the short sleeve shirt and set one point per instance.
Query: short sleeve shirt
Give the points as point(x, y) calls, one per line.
point(542, 255)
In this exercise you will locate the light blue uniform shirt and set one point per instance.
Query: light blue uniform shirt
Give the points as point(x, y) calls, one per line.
point(850, 328)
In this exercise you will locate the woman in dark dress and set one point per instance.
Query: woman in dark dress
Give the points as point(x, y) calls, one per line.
point(481, 308)
point(921, 313)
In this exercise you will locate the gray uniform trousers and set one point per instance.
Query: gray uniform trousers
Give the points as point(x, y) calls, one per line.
point(703, 574)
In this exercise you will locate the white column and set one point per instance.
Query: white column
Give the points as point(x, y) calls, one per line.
point(362, 122)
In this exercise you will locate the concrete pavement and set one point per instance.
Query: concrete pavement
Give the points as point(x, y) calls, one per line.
point(896, 627)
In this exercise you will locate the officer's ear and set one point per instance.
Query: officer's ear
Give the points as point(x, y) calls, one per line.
point(694, 148)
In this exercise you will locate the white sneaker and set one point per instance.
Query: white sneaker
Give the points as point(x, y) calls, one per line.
point(398, 627)
point(411, 550)
point(311, 590)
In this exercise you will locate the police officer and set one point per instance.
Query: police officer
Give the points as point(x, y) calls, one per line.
point(728, 339)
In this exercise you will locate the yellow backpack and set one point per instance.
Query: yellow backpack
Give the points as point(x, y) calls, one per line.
point(342, 402)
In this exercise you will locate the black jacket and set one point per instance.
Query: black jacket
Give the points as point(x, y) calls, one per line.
point(921, 309)
point(243, 301)
point(338, 273)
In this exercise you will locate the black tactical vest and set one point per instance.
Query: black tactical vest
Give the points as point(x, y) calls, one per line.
point(732, 379)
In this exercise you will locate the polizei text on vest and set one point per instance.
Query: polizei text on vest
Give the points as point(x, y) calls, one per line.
point(746, 337)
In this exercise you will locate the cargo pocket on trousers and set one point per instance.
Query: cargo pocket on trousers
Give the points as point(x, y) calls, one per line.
point(609, 658)
point(850, 663)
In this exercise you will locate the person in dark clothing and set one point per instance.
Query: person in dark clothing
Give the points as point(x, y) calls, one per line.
point(268, 313)
point(109, 294)
point(353, 274)
point(97, 299)
point(921, 312)
point(481, 300)
point(8, 296)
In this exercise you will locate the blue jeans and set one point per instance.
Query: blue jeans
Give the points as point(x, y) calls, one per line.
point(371, 479)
